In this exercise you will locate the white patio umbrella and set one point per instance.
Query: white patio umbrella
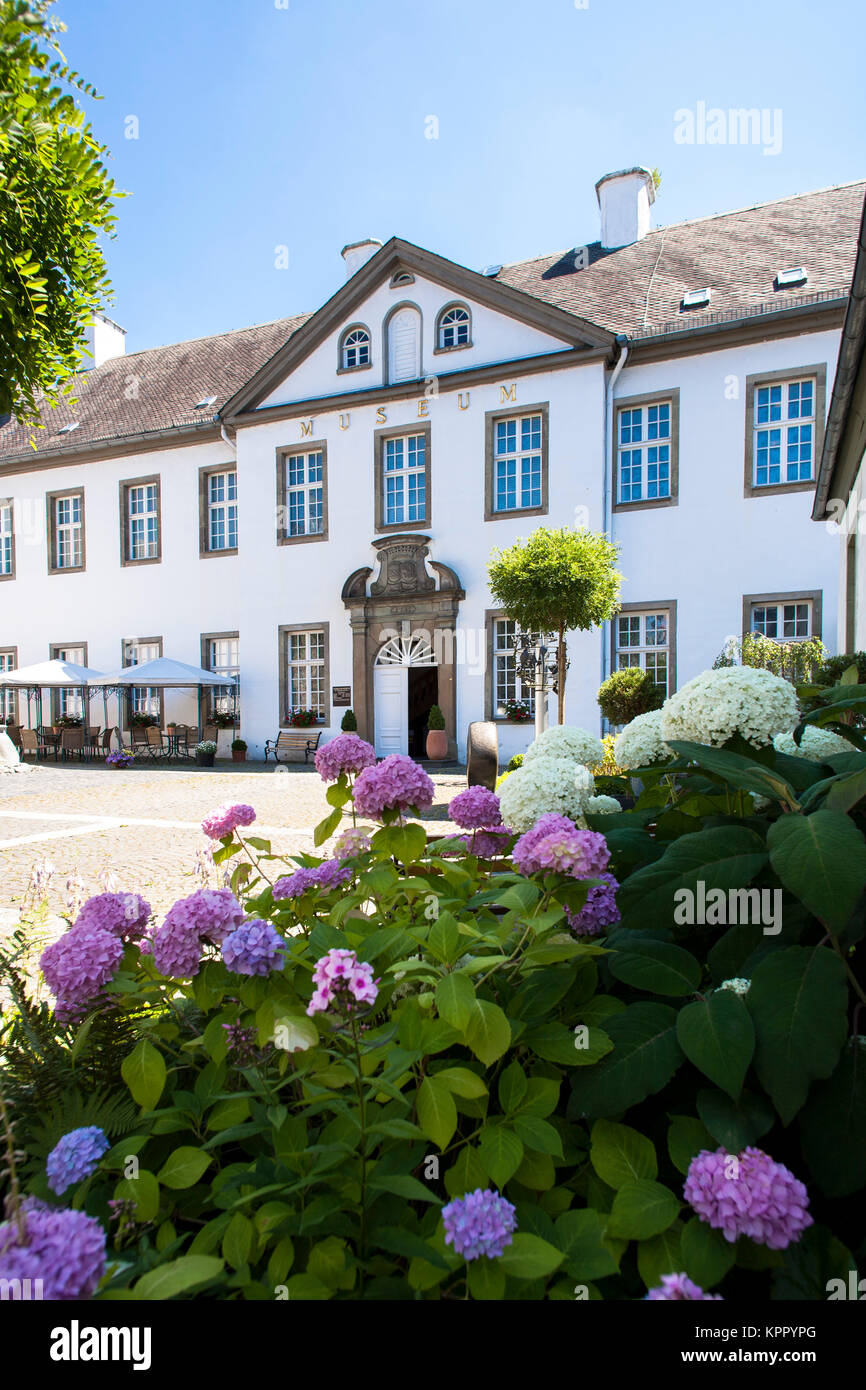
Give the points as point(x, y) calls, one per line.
point(163, 673)
point(52, 675)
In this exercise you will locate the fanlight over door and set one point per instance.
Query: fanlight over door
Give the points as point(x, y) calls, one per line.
point(406, 651)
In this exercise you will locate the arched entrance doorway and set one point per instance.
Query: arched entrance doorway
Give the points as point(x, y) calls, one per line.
point(404, 630)
point(405, 687)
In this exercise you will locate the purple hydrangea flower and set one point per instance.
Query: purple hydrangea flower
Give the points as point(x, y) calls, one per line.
point(330, 874)
point(226, 819)
point(124, 914)
point(481, 1223)
point(475, 809)
point(351, 842)
point(750, 1195)
point(562, 849)
point(599, 910)
point(346, 753)
point(396, 784)
point(677, 1286)
point(342, 980)
point(64, 1249)
point(207, 915)
point(254, 948)
point(488, 842)
point(78, 966)
point(75, 1157)
point(523, 853)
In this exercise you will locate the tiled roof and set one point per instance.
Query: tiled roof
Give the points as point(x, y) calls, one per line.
point(145, 392)
point(737, 254)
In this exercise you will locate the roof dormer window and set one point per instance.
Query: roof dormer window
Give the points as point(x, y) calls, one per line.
point(355, 348)
point(453, 328)
point(794, 275)
point(696, 299)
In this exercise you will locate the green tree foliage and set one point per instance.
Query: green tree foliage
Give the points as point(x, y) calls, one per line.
point(557, 581)
point(628, 693)
point(55, 200)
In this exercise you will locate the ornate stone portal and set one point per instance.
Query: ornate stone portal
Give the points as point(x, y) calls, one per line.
point(404, 600)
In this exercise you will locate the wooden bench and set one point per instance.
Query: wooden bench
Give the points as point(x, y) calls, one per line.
point(290, 743)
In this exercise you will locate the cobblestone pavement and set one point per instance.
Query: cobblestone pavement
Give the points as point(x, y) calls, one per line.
point(142, 827)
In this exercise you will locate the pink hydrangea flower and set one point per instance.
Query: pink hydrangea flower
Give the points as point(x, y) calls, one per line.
point(343, 981)
point(351, 842)
point(330, 874)
point(347, 753)
point(226, 819)
point(561, 848)
point(395, 784)
point(523, 855)
point(761, 1198)
point(124, 914)
point(475, 809)
point(679, 1286)
point(78, 966)
point(208, 915)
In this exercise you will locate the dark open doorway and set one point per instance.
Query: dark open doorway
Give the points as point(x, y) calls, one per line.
point(423, 694)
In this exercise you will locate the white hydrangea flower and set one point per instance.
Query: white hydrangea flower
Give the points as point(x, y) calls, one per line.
point(567, 741)
point(640, 744)
point(602, 806)
point(817, 744)
point(732, 700)
point(547, 784)
point(737, 985)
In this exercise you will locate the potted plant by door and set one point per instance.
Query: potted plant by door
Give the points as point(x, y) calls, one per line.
point(205, 752)
point(437, 739)
point(239, 750)
point(349, 723)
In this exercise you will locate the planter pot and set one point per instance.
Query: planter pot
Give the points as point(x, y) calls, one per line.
point(239, 755)
point(224, 740)
point(204, 759)
point(437, 745)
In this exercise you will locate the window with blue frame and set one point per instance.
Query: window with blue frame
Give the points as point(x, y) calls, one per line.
point(644, 453)
point(517, 467)
point(305, 494)
point(784, 433)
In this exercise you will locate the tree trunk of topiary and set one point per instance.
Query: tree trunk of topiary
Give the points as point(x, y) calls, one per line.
point(560, 678)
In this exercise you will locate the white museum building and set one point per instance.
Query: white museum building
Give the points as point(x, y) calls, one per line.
point(312, 503)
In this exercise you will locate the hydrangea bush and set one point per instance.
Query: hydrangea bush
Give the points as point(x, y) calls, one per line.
point(401, 1069)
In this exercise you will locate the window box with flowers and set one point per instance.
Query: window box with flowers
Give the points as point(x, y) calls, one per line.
point(303, 718)
point(517, 712)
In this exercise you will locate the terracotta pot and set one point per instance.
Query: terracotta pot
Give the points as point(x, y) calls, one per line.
point(437, 745)
point(239, 755)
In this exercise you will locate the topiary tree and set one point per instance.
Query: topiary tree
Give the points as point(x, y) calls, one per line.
point(557, 581)
point(55, 199)
point(435, 719)
point(349, 723)
point(627, 693)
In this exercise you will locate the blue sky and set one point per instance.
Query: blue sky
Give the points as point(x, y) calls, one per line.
point(303, 123)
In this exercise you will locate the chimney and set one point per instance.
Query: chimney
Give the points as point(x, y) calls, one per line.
point(357, 253)
point(624, 199)
point(105, 339)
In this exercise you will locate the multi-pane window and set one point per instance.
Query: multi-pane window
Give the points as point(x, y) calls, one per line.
point(144, 699)
point(223, 659)
point(69, 702)
point(782, 622)
point(222, 511)
point(68, 537)
point(356, 348)
point(305, 493)
point(508, 687)
point(643, 639)
point(142, 521)
point(7, 697)
point(6, 544)
point(784, 432)
point(305, 684)
point(404, 480)
point(454, 328)
point(517, 468)
point(644, 453)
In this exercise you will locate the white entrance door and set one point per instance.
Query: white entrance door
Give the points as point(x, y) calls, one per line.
point(391, 703)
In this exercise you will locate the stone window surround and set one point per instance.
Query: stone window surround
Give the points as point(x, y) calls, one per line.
point(51, 498)
point(446, 308)
point(9, 698)
point(204, 473)
point(284, 632)
point(144, 641)
point(515, 411)
point(813, 596)
point(817, 370)
point(491, 617)
point(628, 403)
point(386, 328)
point(206, 639)
point(380, 437)
point(362, 366)
point(10, 503)
point(53, 649)
point(123, 495)
point(284, 452)
point(669, 605)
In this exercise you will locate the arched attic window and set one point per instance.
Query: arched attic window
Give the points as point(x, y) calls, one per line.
point(403, 338)
point(355, 348)
point(453, 327)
